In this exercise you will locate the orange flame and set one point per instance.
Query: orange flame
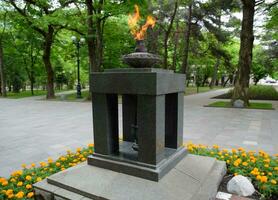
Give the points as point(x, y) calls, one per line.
point(139, 32)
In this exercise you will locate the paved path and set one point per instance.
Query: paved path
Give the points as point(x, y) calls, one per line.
point(32, 130)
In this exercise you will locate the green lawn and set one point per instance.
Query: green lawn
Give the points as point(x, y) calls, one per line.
point(193, 89)
point(27, 93)
point(225, 104)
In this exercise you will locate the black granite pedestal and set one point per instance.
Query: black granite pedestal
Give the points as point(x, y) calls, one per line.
point(152, 102)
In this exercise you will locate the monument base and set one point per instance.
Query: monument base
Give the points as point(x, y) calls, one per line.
point(126, 162)
point(193, 178)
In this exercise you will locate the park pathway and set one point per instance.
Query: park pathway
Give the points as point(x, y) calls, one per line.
point(32, 130)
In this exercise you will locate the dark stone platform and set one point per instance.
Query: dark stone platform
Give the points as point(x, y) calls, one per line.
point(126, 162)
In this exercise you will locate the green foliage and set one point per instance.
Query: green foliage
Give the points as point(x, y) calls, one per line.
point(224, 104)
point(256, 92)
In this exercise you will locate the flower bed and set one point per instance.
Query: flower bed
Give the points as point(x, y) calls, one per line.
point(260, 167)
point(19, 185)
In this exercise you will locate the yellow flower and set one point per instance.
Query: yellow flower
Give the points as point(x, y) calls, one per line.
point(28, 186)
point(78, 149)
point(235, 174)
point(63, 159)
point(23, 165)
point(215, 146)
point(58, 164)
point(269, 173)
point(266, 165)
point(33, 165)
point(10, 196)
point(241, 149)
point(276, 168)
point(62, 169)
point(50, 160)
point(244, 163)
point(4, 183)
point(258, 177)
point(244, 155)
point(264, 179)
point(91, 145)
point(43, 164)
point(273, 182)
point(19, 184)
point(233, 150)
point(9, 191)
point(211, 152)
point(13, 180)
point(236, 164)
point(30, 194)
point(19, 195)
point(83, 159)
point(38, 179)
point(28, 178)
point(228, 161)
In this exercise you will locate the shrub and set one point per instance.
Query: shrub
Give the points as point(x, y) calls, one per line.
point(256, 92)
point(260, 167)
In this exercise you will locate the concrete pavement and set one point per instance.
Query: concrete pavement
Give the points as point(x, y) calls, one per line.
point(32, 130)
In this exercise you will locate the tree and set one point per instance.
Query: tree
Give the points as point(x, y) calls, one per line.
point(3, 91)
point(44, 18)
point(245, 53)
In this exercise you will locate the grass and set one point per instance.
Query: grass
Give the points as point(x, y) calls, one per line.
point(256, 92)
point(193, 89)
point(225, 104)
point(27, 93)
point(23, 94)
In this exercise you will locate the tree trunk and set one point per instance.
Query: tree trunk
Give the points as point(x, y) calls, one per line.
point(47, 63)
point(167, 35)
point(91, 42)
point(2, 72)
point(215, 69)
point(245, 53)
point(176, 41)
point(184, 68)
point(216, 66)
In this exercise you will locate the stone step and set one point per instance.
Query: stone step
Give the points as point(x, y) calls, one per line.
point(193, 178)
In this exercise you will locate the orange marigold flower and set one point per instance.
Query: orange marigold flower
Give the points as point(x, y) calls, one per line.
point(264, 179)
point(33, 165)
point(43, 164)
point(244, 163)
point(50, 160)
point(28, 178)
point(241, 149)
point(9, 191)
point(91, 145)
point(19, 184)
point(19, 195)
point(4, 183)
point(234, 150)
point(28, 186)
point(58, 164)
point(30, 194)
point(215, 146)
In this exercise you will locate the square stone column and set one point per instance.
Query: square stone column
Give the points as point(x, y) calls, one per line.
point(105, 117)
point(151, 128)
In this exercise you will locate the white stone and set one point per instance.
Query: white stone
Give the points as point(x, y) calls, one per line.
point(240, 185)
point(238, 103)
